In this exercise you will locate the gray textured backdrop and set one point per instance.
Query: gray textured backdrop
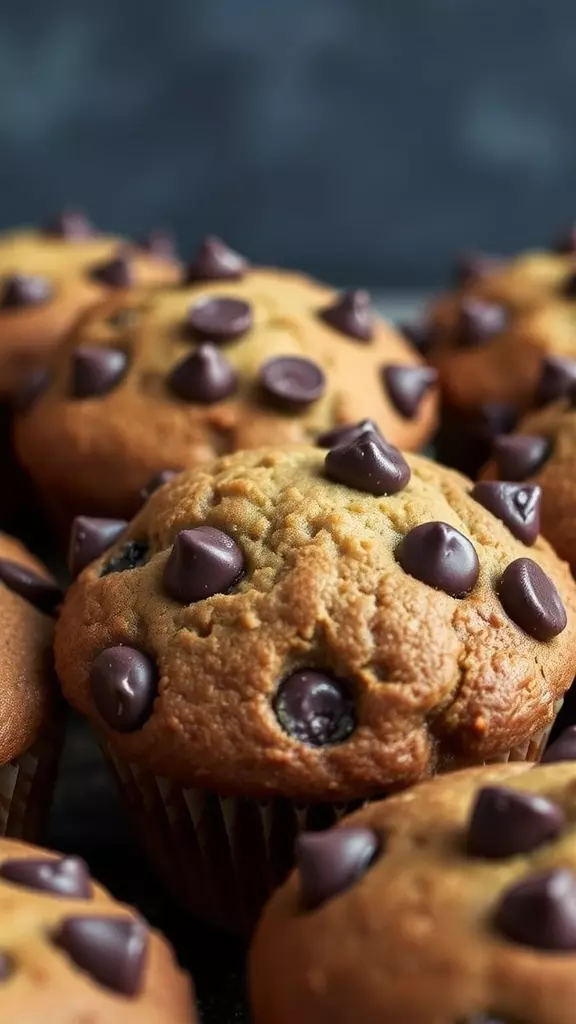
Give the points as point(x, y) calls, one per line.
point(362, 139)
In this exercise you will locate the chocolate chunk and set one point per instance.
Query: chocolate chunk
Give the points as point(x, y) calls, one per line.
point(407, 385)
point(351, 314)
point(441, 557)
point(315, 708)
point(557, 379)
point(111, 949)
point(368, 464)
point(116, 273)
point(566, 243)
point(420, 334)
point(339, 436)
point(474, 266)
point(530, 599)
point(563, 748)
point(31, 389)
point(205, 377)
point(505, 822)
point(157, 481)
point(124, 686)
point(133, 555)
point(160, 244)
point(216, 261)
point(72, 225)
point(95, 371)
point(67, 876)
point(43, 594)
point(517, 505)
point(331, 862)
point(479, 322)
point(540, 911)
point(219, 319)
point(90, 538)
point(203, 561)
point(21, 290)
point(520, 456)
point(292, 382)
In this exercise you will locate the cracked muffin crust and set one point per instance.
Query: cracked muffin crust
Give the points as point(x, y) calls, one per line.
point(451, 903)
point(235, 358)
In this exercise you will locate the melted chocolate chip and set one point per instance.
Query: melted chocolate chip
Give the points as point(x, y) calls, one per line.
point(124, 686)
point(520, 456)
point(31, 390)
point(202, 562)
point(67, 877)
point(43, 594)
point(563, 748)
point(479, 322)
point(474, 266)
point(205, 377)
point(22, 290)
point(292, 382)
point(72, 225)
point(160, 244)
point(157, 481)
point(111, 949)
point(219, 319)
point(441, 557)
point(90, 538)
point(369, 464)
point(351, 314)
point(115, 273)
point(540, 911)
point(95, 371)
point(216, 261)
point(506, 822)
point(517, 505)
point(315, 708)
point(331, 862)
point(133, 555)
point(339, 436)
point(557, 379)
point(407, 385)
point(530, 599)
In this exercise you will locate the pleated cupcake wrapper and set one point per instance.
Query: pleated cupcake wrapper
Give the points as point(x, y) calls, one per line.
point(27, 785)
point(533, 748)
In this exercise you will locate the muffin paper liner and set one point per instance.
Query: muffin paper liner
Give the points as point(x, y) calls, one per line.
point(27, 785)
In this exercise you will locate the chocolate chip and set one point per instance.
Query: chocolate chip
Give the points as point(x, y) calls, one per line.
point(369, 464)
point(569, 286)
point(72, 225)
point(540, 911)
point(90, 538)
point(116, 273)
point(133, 555)
point(331, 862)
point(315, 708)
point(493, 418)
point(474, 266)
point(407, 385)
point(517, 505)
point(530, 599)
point(563, 748)
point(160, 244)
point(292, 382)
point(203, 561)
point(479, 322)
point(505, 822)
point(67, 876)
point(566, 243)
point(95, 371)
point(345, 435)
point(22, 290)
point(557, 379)
point(124, 686)
point(43, 594)
point(351, 314)
point(157, 481)
point(520, 456)
point(111, 949)
point(216, 261)
point(31, 389)
point(219, 319)
point(441, 557)
point(205, 377)
point(420, 334)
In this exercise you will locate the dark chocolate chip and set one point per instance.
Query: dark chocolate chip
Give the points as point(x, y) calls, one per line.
point(315, 708)
point(43, 594)
point(520, 456)
point(124, 686)
point(339, 436)
point(133, 555)
point(530, 599)
point(420, 334)
point(111, 949)
point(31, 389)
point(157, 481)
point(72, 225)
point(292, 382)
point(216, 261)
point(205, 377)
point(21, 290)
point(540, 911)
point(202, 562)
point(67, 876)
point(474, 266)
point(219, 319)
point(331, 862)
point(505, 822)
point(351, 314)
point(441, 557)
point(563, 748)
point(566, 243)
point(517, 505)
point(569, 286)
point(493, 418)
point(116, 273)
point(160, 244)
point(557, 379)
point(90, 538)
point(407, 385)
point(95, 371)
point(479, 322)
point(369, 464)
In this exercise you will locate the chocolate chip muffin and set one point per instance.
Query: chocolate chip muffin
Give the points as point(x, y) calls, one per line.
point(452, 903)
point(30, 714)
point(286, 632)
point(70, 953)
point(235, 358)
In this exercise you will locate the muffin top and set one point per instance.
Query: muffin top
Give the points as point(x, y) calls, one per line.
point(28, 601)
point(317, 624)
point(70, 953)
point(171, 379)
point(451, 903)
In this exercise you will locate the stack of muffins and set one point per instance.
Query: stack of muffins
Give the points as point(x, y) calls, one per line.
point(280, 616)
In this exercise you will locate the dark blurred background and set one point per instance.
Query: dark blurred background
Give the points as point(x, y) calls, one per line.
point(363, 140)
